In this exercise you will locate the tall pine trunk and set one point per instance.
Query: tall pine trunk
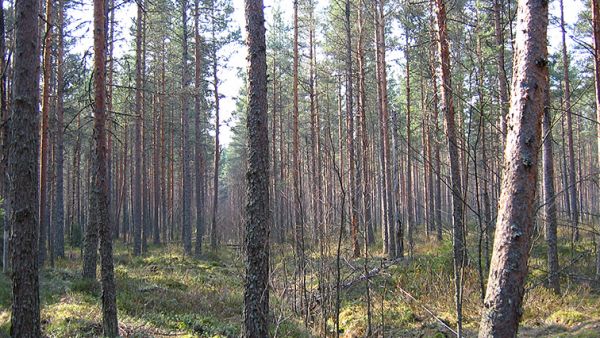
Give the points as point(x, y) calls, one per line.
point(596, 39)
point(572, 182)
point(505, 289)
point(199, 146)
point(100, 191)
point(23, 168)
point(186, 198)
point(458, 238)
point(258, 218)
point(137, 179)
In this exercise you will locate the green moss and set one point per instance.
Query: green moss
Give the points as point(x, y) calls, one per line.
point(567, 317)
point(86, 286)
point(72, 317)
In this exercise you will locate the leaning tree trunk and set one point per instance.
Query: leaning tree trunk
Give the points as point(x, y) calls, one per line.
point(258, 218)
point(502, 306)
point(100, 192)
point(23, 152)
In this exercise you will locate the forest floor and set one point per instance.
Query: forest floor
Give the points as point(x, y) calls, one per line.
point(163, 294)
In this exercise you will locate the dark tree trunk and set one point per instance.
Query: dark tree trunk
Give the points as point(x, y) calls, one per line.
point(23, 168)
point(258, 219)
point(502, 306)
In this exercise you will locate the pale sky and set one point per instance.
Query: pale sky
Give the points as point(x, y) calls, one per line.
point(231, 81)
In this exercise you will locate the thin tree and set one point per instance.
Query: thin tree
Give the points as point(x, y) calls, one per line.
point(350, 135)
point(258, 218)
point(297, 205)
point(596, 40)
point(572, 183)
point(199, 146)
point(550, 197)
point(217, 150)
point(59, 216)
point(23, 170)
point(4, 115)
point(186, 199)
point(504, 296)
point(44, 185)
point(500, 64)
point(388, 189)
point(458, 239)
point(137, 179)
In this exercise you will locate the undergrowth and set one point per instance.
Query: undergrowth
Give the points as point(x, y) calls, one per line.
point(164, 294)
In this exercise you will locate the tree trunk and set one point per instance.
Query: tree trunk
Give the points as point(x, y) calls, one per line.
point(297, 205)
point(199, 149)
point(458, 239)
point(137, 179)
point(59, 219)
point(350, 137)
point(389, 192)
point(572, 182)
point(44, 196)
point(4, 115)
point(258, 218)
point(100, 188)
point(23, 168)
point(213, 228)
point(362, 130)
point(502, 82)
point(409, 185)
point(505, 289)
point(186, 199)
point(596, 33)
point(549, 197)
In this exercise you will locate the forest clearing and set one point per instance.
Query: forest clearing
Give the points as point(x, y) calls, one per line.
point(309, 168)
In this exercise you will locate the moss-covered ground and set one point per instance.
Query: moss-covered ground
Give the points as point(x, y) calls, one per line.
point(164, 294)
